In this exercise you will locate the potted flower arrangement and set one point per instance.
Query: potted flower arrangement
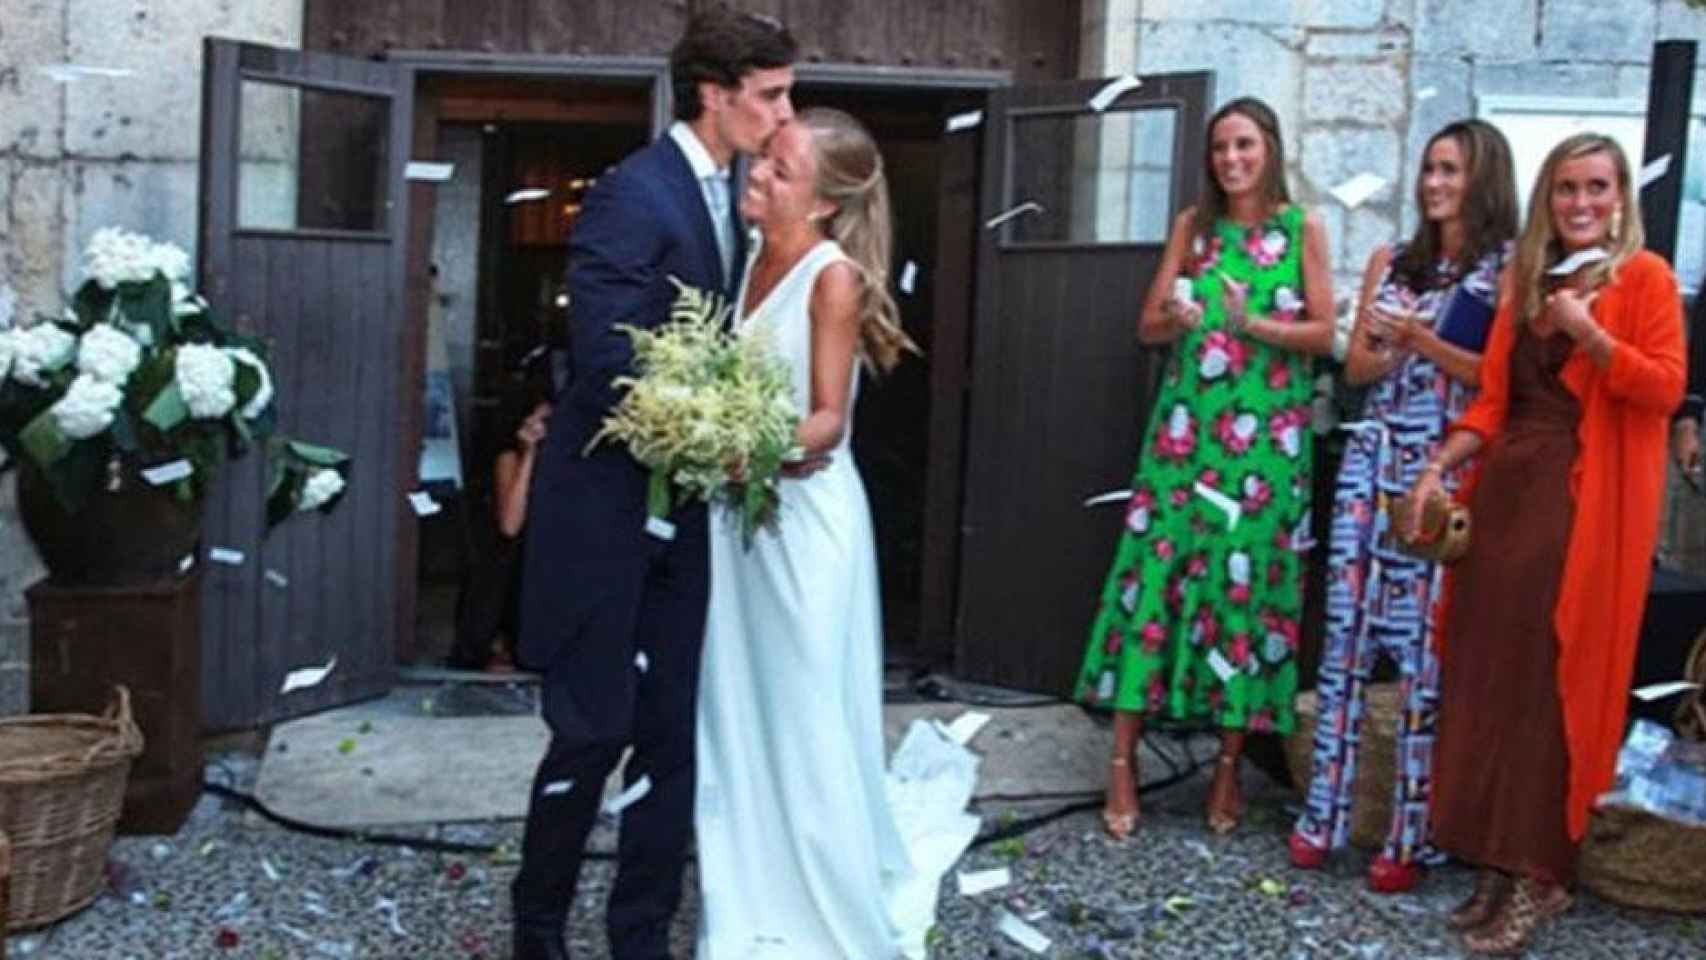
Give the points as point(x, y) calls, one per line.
point(119, 412)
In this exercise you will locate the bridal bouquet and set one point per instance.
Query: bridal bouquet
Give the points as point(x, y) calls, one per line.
point(137, 375)
point(709, 412)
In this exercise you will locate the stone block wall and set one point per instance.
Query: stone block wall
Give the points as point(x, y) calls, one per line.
point(1360, 85)
point(80, 154)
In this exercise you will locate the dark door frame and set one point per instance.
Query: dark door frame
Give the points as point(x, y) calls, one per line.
point(235, 603)
point(951, 332)
point(1025, 536)
point(950, 363)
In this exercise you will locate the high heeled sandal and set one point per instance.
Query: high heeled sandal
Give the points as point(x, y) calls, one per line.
point(1222, 821)
point(1478, 908)
point(1118, 825)
point(1529, 905)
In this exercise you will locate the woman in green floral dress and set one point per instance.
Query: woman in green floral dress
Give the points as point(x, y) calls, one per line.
point(1199, 618)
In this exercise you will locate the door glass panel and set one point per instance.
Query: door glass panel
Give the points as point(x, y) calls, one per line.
point(1099, 177)
point(312, 159)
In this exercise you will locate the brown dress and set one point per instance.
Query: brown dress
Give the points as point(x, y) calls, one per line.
point(1501, 764)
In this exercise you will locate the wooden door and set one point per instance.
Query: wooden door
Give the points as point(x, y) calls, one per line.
point(302, 226)
point(1076, 205)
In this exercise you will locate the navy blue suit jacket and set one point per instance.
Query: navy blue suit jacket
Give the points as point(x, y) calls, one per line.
point(643, 223)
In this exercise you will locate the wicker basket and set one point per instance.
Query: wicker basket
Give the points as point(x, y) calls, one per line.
point(62, 780)
point(1371, 795)
point(1638, 859)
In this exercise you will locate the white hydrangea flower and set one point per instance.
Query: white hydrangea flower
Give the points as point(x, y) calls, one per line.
point(321, 486)
point(116, 256)
point(108, 353)
point(38, 348)
point(173, 261)
point(257, 404)
point(206, 379)
point(8, 307)
point(87, 407)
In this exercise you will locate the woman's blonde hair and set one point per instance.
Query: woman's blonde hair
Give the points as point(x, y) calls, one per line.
point(850, 175)
point(1538, 248)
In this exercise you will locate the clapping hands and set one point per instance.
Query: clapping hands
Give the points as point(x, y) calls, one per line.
point(1236, 300)
point(1387, 328)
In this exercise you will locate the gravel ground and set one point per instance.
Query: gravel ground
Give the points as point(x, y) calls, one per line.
point(230, 885)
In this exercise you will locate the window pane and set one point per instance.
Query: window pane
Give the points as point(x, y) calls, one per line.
point(312, 159)
point(1100, 177)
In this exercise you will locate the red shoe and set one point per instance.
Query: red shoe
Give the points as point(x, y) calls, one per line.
point(1389, 876)
point(1305, 855)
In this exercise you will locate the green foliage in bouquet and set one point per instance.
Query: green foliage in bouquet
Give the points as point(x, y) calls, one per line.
point(710, 412)
point(138, 373)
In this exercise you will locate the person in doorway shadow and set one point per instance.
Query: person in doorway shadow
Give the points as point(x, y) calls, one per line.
point(620, 650)
point(488, 608)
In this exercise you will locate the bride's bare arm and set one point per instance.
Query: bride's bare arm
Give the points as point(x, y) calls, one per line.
point(835, 337)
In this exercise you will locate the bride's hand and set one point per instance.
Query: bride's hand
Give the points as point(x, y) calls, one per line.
point(800, 469)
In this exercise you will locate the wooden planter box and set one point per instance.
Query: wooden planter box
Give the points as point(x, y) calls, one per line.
point(83, 640)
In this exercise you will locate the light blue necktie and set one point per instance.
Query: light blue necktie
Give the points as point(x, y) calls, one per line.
point(717, 196)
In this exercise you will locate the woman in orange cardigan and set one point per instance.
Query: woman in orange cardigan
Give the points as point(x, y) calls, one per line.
point(1581, 373)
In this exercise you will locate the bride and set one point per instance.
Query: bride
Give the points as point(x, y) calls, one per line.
point(800, 855)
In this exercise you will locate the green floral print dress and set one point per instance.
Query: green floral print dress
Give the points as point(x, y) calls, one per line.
point(1199, 616)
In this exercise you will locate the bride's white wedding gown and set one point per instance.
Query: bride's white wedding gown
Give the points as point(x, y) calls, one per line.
point(800, 854)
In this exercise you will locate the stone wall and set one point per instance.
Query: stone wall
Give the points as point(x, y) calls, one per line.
point(1360, 84)
point(79, 154)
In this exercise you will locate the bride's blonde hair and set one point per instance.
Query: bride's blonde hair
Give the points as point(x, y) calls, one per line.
point(850, 176)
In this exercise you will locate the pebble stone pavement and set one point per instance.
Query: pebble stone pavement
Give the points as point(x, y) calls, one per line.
point(230, 885)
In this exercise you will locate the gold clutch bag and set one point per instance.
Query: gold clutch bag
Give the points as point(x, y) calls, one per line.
point(1444, 533)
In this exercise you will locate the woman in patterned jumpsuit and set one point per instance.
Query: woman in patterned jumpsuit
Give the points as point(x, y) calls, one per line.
point(1424, 314)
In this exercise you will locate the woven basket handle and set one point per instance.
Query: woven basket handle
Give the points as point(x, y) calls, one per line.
point(1691, 714)
point(127, 735)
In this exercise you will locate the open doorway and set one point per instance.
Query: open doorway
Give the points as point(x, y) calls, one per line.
point(500, 249)
point(893, 442)
point(523, 152)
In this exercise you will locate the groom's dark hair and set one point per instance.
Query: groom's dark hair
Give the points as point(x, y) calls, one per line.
point(721, 46)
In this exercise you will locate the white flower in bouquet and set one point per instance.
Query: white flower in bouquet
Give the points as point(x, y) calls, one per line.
point(38, 351)
point(8, 349)
point(710, 412)
point(321, 486)
point(87, 407)
point(8, 307)
point(206, 380)
point(116, 256)
point(257, 404)
point(108, 353)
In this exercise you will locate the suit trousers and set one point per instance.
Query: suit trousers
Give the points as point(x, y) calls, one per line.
point(629, 677)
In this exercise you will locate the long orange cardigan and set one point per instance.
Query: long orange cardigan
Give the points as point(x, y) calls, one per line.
point(1618, 481)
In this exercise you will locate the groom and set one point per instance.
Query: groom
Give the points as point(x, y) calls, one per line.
point(613, 606)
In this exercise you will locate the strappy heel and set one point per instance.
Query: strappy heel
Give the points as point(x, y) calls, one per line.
point(1118, 824)
point(1491, 887)
point(1530, 905)
point(1223, 817)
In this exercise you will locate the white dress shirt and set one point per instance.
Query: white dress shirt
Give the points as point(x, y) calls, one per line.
point(714, 187)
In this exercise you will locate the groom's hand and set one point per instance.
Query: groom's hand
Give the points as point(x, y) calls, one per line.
point(800, 469)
